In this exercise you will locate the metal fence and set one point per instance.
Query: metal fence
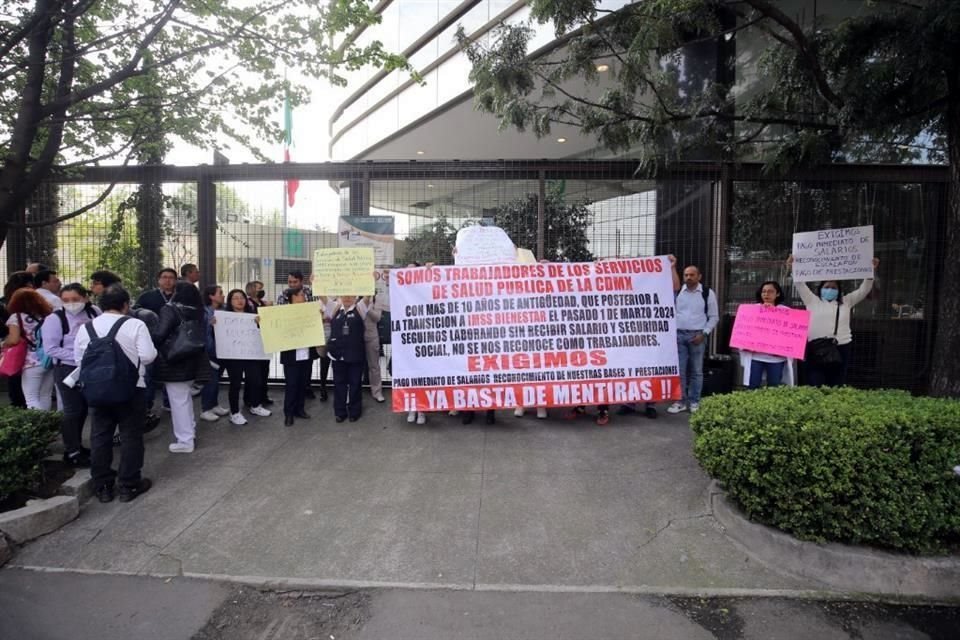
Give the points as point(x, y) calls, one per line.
point(734, 221)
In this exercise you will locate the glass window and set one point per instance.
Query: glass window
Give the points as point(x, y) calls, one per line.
point(418, 100)
point(416, 17)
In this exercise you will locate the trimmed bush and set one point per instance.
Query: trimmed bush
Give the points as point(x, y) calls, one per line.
point(851, 466)
point(25, 436)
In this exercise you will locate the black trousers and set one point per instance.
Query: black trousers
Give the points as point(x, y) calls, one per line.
point(74, 410)
point(129, 417)
point(237, 370)
point(347, 377)
point(264, 387)
point(297, 376)
point(816, 376)
point(15, 390)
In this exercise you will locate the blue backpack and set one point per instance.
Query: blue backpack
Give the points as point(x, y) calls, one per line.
point(107, 377)
point(43, 358)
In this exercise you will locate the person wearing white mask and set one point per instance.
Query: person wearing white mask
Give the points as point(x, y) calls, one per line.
point(830, 313)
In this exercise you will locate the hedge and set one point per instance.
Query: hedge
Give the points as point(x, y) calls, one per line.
point(25, 436)
point(845, 465)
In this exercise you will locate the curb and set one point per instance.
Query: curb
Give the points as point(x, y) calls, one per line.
point(38, 518)
point(843, 567)
point(79, 485)
point(5, 551)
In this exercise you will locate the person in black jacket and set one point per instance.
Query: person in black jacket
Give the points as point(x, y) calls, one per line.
point(156, 298)
point(178, 376)
point(297, 365)
point(347, 350)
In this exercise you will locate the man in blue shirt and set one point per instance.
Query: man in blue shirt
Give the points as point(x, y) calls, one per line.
point(697, 316)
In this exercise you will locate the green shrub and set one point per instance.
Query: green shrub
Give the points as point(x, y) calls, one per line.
point(25, 436)
point(852, 466)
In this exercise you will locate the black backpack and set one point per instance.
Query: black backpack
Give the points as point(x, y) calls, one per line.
point(107, 377)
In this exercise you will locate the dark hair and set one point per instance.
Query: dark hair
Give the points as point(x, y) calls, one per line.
point(229, 299)
point(776, 285)
point(75, 287)
point(114, 298)
point(289, 293)
point(839, 290)
point(29, 302)
point(42, 277)
point(187, 268)
point(106, 278)
point(252, 283)
point(166, 270)
point(17, 280)
point(187, 294)
point(208, 292)
point(296, 274)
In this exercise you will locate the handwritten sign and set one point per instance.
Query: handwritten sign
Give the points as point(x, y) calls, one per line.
point(343, 272)
point(291, 326)
point(238, 336)
point(833, 254)
point(484, 245)
point(779, 331)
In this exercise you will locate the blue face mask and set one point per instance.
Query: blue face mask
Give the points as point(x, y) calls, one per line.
point(829, 295)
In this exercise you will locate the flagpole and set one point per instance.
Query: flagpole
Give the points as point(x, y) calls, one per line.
point(284, 204)
point(286, 143)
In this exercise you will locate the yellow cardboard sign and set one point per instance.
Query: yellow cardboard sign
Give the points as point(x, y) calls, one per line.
point(291, 326)
point(347, 271)
point(525, 256)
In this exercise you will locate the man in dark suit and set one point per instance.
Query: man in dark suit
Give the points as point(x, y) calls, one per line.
point(156, 298)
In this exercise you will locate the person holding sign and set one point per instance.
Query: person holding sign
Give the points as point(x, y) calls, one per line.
point(755, 364)
point(238, 370)
point(297, 365)
point(210, 409)
point(347, 352)
point(830, 313)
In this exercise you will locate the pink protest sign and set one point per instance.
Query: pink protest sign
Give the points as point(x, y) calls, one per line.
point(780, 331)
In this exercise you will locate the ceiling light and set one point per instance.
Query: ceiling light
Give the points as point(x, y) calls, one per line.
point(420, 152)
point(561, 140)
point(603, 67)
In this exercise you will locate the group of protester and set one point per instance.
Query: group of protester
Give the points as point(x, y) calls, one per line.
point(167, 338)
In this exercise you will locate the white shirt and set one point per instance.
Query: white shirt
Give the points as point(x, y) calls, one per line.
point(133, 337)
point(690, 315)
point(823, 315)
point(52, 299)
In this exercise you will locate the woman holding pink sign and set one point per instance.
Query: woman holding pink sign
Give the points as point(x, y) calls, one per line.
point(777, 369)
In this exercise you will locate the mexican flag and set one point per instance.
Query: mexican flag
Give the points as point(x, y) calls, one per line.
point(294, 184)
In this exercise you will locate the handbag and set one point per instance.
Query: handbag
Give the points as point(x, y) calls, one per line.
point(186, 341)
point(13, 358)
point(825, 352)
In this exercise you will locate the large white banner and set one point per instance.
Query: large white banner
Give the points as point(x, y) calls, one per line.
point(555, 334)
point(238, 336)
point(833, 254)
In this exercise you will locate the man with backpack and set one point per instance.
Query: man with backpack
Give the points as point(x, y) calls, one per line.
point(697, 316)
point(113, 349)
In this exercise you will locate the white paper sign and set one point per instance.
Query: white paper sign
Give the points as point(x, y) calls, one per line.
point(833, 254)
point(484, 245)
point(238, 336)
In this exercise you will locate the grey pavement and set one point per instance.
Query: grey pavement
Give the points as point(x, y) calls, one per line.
point(524, 505)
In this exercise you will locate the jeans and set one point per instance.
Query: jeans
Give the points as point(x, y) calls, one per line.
point(297, 377)
point(347, 377)
point(210, 395)
point(817, 376)
point(774, 371)
point(691, 365)
point(129, 417)
point(253, 387)
point(74, 409)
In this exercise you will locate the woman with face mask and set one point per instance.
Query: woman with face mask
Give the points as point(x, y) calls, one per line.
point(830, 312)
point(59, 331)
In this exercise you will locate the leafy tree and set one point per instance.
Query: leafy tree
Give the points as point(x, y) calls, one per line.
point(565, 226)
point(431, 243)
point(83, 82)
point(881, 85)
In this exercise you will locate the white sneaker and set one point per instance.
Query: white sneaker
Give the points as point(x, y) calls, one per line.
point(518, 412)
point(453, 412)
point(260, 411)
point(421, 417)
point(676, 407)
point(181, 447)
point(542, 413)
point(220, 411)
point(379, 398)
point(694, 407)
point(209, 416)
point(412, 416)
point(238, 418)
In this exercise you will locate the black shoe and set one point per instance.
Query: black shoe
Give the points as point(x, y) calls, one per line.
point(491, 417)
point(151, 422)
point(340, 418)
point(467, 417)
point(288, 421)
point(626, 409)
point(116, 440)
point(78, 458)
point(267, 402)
point(354, 418)
point(126, 494)
point(311, 395)
point(651, 412)
point(105, 493)
point(323, 395)
point(303, 415)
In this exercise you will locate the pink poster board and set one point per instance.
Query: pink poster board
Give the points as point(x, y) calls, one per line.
point(779, 331)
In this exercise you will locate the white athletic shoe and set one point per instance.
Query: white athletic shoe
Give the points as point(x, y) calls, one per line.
point(220, 411)
point(453, 412)
point(421, 417)
point(676, 407)
point(238, 419)
point(181, 447)
point(542, 413)
point(260, 411)
point(379, 398)
point(518, 412)
point(412, 416)
point(209, 416)
point(694, 407)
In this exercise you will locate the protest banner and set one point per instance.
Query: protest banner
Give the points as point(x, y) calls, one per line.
point(343, 272)
point(375, 232)
point(555, 334)
point(484, 245)
point(238, 336)
point(779, 331)
point(833, 254)
point(291, 326)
